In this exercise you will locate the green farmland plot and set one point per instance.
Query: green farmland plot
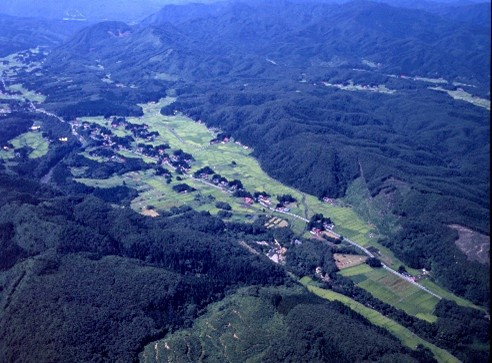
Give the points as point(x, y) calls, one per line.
point(234, 161)
point(154, 191)
point(27, 94)
point(393, 290)
point(403, 334)
point(32, 140)
point(448, 295)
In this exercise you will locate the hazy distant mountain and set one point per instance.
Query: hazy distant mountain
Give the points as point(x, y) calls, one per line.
point(477, 14)
point(18, 34)
point(472, 12)
point(295, 34)
point(125, 10)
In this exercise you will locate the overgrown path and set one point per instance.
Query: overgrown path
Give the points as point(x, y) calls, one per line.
point(304, 204)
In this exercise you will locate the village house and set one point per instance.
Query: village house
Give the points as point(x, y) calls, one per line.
point(328, 226)
point(320, 275)
point(264, 201)
point(328, 200)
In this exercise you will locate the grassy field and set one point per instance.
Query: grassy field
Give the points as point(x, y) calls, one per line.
point(448, 295)
point(234, 161)
point(403, 334)
point(154, 191)
point(33, 140)
point(9, 67)
point(393, 290)
point(28, 94)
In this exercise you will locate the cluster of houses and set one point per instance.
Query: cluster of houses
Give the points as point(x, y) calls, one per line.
point(141, 131)
point(179, 161)
point(138, 130)
point(417, 278)
point(151, 151)
point(319, 224)
point(263, 198)
point(102, 136)
point(224, 138)
point(232, 186)
point(283, 203)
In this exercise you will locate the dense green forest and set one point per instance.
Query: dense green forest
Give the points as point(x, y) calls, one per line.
point(19, 34)
point(427, 150)
point(280, 325)
point(103, 281)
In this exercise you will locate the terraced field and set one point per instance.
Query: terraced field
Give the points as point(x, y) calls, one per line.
point(238, 329)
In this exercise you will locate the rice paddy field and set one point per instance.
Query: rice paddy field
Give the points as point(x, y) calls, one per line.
point(33, 140)
point(27, 94)
point(234, 161)
point(9, 67)
point(393, 290)
point(403, 334)
point(183, 133)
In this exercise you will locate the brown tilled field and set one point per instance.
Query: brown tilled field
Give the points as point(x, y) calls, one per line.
point(345, 261)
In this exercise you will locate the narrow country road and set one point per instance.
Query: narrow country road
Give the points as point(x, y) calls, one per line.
point(367, 252)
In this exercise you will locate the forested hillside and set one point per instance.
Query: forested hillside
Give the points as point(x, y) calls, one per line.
point(103, 281)
point(274, 76)
point(19, 34)
point(83, 10)
point(188, 180)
